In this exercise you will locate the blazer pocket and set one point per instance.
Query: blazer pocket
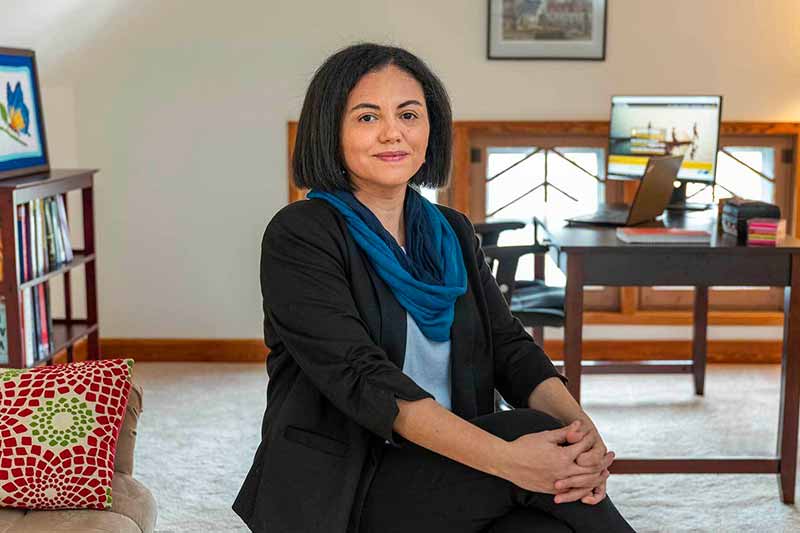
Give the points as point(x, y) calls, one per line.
point(316, 441)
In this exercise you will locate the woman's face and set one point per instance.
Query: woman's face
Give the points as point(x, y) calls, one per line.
point(385, 130)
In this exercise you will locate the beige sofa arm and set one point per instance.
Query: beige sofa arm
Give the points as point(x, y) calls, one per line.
point(123, 461)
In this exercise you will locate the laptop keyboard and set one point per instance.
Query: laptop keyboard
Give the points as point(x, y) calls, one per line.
point(604, 216)
point(612, 215)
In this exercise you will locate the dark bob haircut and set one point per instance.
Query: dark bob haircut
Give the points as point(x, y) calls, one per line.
point(318, 161)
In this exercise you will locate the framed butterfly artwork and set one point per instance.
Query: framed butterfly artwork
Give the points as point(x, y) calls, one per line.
point(23, 148)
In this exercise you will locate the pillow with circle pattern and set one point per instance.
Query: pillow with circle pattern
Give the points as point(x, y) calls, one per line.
point(58, 433)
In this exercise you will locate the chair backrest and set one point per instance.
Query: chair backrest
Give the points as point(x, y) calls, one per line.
point(503, 261)
point(489, 232)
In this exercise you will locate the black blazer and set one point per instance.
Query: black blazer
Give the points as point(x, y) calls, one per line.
point(337, 340)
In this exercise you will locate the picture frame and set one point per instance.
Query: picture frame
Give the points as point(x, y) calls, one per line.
point(547, 29)
point(23, 143)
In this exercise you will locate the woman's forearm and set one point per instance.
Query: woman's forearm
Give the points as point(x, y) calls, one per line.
point(553, 398)
point(428, 424)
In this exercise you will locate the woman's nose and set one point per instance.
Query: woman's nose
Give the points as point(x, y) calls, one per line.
point(390, 131)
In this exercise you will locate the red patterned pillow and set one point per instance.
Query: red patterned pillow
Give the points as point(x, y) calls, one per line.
point(58, 433)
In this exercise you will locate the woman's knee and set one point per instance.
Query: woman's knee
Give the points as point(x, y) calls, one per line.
point(510, 425)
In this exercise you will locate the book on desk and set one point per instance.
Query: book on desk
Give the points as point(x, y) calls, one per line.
point(635, 235)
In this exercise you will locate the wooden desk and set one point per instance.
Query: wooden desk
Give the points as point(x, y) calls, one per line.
point(591, 255)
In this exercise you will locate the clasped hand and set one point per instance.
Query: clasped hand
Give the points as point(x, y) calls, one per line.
point(571, 462)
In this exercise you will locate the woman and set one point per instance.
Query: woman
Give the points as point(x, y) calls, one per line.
point(388, 337)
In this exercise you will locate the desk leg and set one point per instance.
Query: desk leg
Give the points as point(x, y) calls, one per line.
point(699, 338)
point(790, 385)
point(573, 324)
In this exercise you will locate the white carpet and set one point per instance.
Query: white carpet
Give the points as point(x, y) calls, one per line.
point(201, 425)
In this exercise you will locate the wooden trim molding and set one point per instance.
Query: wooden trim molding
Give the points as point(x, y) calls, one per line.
point(253, 350)
point(629, 296)
point(684, 318)
point(737, 352)
point(534, 127)
point(291, 136)
point(188, 350)
point(79, 353)
point(460, 183)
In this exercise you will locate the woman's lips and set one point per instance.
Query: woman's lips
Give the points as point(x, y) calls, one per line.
point(391, 158)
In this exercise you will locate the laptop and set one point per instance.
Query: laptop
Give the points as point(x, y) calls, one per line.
point(652, 197)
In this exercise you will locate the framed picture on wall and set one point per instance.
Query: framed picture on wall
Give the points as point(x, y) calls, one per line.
point(23, 149)
point(547, 29)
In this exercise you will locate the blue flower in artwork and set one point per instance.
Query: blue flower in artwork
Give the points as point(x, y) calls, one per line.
point(18, 116)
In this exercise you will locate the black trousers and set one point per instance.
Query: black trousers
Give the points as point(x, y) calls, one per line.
point(418, 491)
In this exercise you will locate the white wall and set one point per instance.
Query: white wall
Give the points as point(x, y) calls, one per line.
point(183, 106)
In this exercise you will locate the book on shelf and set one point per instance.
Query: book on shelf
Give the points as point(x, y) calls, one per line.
point(58, 243)
point(27, 325)
point(33, 240)
point(44, 335)
point(44, 242)
point(37, 323)
point(662, 236)
point(61, 209)
point(35, 327)
point(50, 234)
point(51, 340)
point(3, 334)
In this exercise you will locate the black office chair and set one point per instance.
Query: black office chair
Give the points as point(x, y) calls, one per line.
point(489, 232)
point(535, 303)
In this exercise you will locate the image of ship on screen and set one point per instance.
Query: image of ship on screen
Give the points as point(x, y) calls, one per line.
point(643, 127)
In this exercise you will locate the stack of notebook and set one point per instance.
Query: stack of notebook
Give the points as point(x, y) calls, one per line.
point(765, 231)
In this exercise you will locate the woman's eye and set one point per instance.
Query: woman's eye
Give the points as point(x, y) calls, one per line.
point(409, 116)
point(365, 117)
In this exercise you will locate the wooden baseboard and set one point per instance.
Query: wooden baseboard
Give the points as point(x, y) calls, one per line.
point(253, 350)
point(188, 350)
point(683, 318)
point(739, 351)
point(78, 353)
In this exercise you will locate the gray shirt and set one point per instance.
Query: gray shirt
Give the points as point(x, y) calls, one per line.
point(427, 362)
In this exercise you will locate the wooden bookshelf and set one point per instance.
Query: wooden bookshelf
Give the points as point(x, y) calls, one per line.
point(66, 331)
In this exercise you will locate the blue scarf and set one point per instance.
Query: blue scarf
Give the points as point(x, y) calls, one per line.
point(429, 276)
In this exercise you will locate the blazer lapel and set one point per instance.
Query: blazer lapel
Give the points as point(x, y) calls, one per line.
point(392, 319)
point(462, 391)
point(393, 326)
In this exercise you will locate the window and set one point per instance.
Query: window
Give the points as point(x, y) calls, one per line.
point(429, 194)
point(741, 170)
point(518, 178)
